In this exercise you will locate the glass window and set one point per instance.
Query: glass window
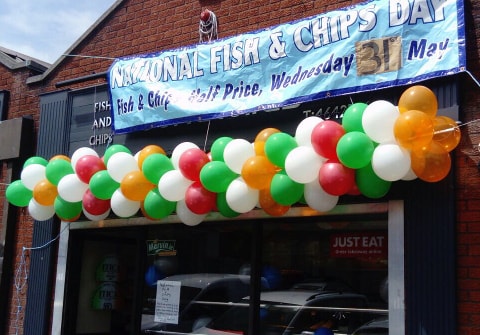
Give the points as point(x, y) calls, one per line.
point(318, 275)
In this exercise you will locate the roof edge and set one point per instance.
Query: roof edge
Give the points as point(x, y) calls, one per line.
point(7, 57)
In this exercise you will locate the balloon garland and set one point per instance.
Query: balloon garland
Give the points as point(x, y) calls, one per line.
point(375, 145)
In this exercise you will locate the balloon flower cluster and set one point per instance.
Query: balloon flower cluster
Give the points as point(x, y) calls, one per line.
point(374, 145)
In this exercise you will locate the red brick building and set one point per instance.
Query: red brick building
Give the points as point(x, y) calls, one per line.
point(438, 249)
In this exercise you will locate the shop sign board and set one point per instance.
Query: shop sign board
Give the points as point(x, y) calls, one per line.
point(161, 248)
point(359, 245)
point(375, 44)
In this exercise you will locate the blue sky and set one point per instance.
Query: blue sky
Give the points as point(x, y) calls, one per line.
point(45, 29)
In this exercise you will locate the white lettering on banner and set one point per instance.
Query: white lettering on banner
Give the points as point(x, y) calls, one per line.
point(174, 68)
point(234, 56)
point(326, 30)
point(403, 11)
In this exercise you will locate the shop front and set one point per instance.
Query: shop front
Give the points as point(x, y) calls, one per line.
point(350, 266)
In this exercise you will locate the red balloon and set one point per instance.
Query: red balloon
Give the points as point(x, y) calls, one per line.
point(325, 137)
point(354, 190)
point(191, 162)
point(335, 178)
point(199, 200)
point(93, 205)
point(87, 166)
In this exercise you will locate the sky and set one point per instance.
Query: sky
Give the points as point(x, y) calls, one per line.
point(45, 29)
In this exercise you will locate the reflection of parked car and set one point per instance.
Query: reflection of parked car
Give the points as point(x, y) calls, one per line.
point(323, 284)
point(375, 327)
point(203, 296)
point(294, 312)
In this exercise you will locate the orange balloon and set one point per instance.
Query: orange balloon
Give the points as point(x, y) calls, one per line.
point(419, 98)
point(431, 163)
point(147, 151)
point(413, 129)
point(60, 157)
point(270, 206)
point(71, 219)
point(446, 132)
point(258, 171)
point(44, 192)
point(261, 138)
point(135, 186)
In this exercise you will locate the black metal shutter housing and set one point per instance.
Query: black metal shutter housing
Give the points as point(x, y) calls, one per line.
point(53, 139)
point(430, 258)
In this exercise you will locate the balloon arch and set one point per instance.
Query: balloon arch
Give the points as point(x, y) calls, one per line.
point(375, 145)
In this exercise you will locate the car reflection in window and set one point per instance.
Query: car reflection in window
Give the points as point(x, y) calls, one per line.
point(203, 297)
point(295, 312)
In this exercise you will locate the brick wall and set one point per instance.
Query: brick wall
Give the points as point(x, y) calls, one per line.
point(468, 184)
point(23, 102)
point(138, 27)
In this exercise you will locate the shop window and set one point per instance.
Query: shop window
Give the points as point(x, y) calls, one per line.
point(317, 275)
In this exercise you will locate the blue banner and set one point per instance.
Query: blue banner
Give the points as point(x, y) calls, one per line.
point(373, 45)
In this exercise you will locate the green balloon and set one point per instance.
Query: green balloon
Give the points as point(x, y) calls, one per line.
point(355, 149)
point(67, 210)
point(113, 149)
point(218, 147)
point(102, 185)
point(278, 146)
point(35, 160)
point(17, 194)
point(284, 190)
point(155, 166)
point(57, 169)
point(369, 184)
point(156, 206)
point(215, 176)
point(223, 207)
point(352, 117)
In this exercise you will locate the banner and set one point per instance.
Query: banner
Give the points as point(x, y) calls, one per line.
point(376, 44)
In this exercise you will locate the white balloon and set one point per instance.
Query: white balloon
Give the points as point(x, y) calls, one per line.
point(179, 150)
point(391, 162)
point(378, 120)
point(303, 133)
point(120, 164)
point(187, 216)
point(410, 175)
point(318, 199)
point(92, 217)
point(303, 164)
point(70, 188)
point(40, 212)
point(136, 155)
point(32, 174)
point(123, 207)
point(240, 197)
point(79, 153)
point(173, 185)
point(236, 152)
